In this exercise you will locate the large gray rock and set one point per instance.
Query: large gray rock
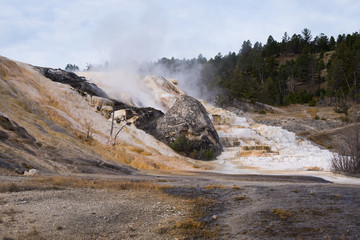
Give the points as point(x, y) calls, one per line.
point(187, 128)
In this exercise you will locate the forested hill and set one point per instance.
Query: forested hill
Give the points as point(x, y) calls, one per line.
point(299, 69)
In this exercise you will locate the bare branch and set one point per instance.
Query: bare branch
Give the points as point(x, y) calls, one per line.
point(348, 159)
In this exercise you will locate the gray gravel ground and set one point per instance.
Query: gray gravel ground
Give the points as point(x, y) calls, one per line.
point(245, 207)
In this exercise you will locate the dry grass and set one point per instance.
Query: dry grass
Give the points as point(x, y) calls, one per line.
point(192, 227)
point(16, 187)
point(241, 198)
point(216, 186)
point(282, 214)
point(312, 112)
point(203, 205)
point(72, 182)
point(33, 234)
point(314, 169)
point(60, 182)
point(7, 216)
point(9, 212)
point(136, 158)
point(142, 162)
point(185, 227)
point(336, 196)
point(139, 150)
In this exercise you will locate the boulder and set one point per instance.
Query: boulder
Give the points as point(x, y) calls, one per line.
point(31, 172)
point(187, 128)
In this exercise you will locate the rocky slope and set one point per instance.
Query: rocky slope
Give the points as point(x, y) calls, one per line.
point(187, 118)
point(79, 118)
point(52, 127)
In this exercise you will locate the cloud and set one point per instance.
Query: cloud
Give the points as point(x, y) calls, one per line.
point(132, 36)
point(54, 33)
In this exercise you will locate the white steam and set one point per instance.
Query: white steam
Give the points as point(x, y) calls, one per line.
point(128, 42)
point(125, 43)
point(127, 87)
point(189, 79)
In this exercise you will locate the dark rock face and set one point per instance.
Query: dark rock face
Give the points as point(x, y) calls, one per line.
point(70, 78)
point(146, 119)
point(145, 116)
point(187, 128)
point(13, 127)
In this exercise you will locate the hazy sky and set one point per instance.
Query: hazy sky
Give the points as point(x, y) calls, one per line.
point(53, 32)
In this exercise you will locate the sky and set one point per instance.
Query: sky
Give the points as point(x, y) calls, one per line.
point(53, 33)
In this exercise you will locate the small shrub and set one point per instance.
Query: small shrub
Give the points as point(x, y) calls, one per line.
point(317, 117)
point(207, 154)
point(336, 195)
point(345, 119)
point(342, 108)
point(194, 154)
point(26, 165)
point(262, 112)
point(348, 159)
point(181, 144)
point(282, 214)
point(33, 234)
point(185, 146)
point(312, 102)
point(346, 164)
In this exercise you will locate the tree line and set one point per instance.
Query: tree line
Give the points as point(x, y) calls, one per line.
point(298, 69)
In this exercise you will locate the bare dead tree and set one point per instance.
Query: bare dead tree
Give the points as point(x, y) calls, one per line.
point(112, 124)
point(118, 120)
point(348, 159)
point(126, 124)
point(88, 129)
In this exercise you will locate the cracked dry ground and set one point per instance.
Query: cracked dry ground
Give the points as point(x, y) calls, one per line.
point(204, 206)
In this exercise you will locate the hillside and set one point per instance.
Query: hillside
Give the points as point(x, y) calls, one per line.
point(62, 123)
point(44, 125)
point(91, 184)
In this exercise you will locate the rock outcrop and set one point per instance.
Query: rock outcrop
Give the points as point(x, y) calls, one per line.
point(141, 117)
point(187, 128)
point(70, 78)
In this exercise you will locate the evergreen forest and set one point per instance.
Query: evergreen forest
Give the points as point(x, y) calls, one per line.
point(298, 69)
